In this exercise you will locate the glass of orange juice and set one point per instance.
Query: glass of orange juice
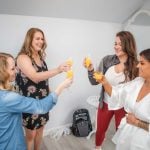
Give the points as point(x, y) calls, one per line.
point(69, 74)
point(87, 61)
point(97, 75)
point(70, 62)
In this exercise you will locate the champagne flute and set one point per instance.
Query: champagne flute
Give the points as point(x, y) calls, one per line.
point(69, 61)
point(87, 61)
point(69, 74)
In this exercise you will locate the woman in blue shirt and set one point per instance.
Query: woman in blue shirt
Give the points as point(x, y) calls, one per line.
point(12, 105)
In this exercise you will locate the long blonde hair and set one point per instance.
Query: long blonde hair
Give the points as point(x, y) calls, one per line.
point(4, 75)
point(27, 45)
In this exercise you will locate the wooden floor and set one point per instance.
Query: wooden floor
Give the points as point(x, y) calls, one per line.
point(71, 142)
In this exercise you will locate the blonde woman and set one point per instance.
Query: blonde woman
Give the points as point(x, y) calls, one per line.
point(12, 105)
point(32, 81)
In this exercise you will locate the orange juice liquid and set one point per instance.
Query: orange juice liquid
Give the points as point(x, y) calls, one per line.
point(70, 62)
point(97, 75)
point(87, 61)
point(70, 74)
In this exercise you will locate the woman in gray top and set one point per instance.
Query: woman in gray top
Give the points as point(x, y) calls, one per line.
point(118, 68)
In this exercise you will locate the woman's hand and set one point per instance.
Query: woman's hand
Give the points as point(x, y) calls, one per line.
point(65, 84)
point(64, 67)
point(100, 78)
point(131, 119)
point(89, 66)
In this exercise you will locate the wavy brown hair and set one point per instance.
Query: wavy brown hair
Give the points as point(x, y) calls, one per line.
point(27, 45)
point(4, 75)
point(129, 47)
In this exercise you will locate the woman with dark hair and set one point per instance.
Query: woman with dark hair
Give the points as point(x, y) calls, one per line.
point(134, 96)
point(12, 105)
point(118, 68)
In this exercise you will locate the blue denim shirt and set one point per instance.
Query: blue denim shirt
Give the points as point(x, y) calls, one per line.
point(105, 63)
point(12, 105)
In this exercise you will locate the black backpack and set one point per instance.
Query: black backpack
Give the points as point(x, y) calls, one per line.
point(81, 126)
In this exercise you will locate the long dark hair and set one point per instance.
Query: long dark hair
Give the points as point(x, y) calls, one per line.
point(129, 47)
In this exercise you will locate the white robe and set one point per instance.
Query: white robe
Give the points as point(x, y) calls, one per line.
point(130, 137)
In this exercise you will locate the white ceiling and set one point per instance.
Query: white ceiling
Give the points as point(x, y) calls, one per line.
point(117, 11)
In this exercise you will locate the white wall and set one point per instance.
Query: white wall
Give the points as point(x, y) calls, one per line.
point(141, 34)
point(65, 38)
point(68, 38)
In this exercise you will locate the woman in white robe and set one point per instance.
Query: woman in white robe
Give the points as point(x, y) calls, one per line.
point(134, 96)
